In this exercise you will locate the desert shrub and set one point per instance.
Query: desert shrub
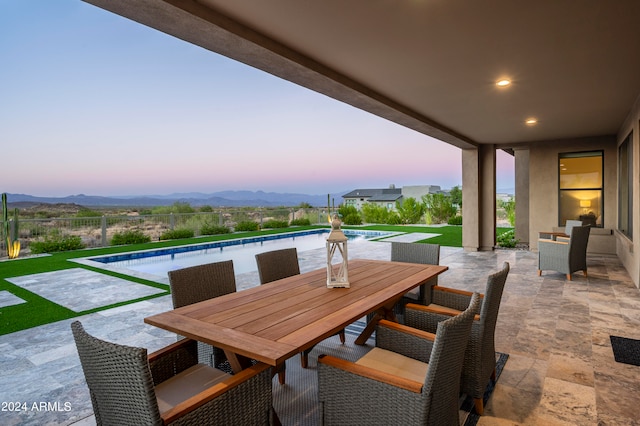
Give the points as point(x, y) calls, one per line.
point(439, 208)
point(507, 239)
point(352, 219)
point(456, 196)
point(45, 215)
point(275, 224)
point(393, 218)
point(55, 241)
point(410, 210)
point(176, 234)
point(300, 222)
point(455, 220)
point(246, 226)
point(209, 229)
point(84, 212)
point(374, 213)
point(131, 236)
point(207, 209)
point(350, 215)
point(279, 212)
point(509, 208)
point(189, 221)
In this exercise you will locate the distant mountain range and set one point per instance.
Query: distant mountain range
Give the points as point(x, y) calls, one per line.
point(196, 199)
point(509, 191)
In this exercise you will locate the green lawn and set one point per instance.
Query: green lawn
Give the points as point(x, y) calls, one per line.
point(38, 311)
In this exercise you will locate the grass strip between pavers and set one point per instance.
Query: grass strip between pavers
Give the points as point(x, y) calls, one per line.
point(38, 310)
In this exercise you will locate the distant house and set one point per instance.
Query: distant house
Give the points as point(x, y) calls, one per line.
point(387, 197)
point(504, 197)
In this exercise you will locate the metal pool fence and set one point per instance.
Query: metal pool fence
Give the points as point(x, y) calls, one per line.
point(98, 231)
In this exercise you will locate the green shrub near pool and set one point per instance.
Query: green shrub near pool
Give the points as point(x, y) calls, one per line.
point(273, 224)
point(131, 236)
point(55, 242)
point(177, 234)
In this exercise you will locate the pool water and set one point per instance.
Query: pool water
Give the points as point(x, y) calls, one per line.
point(242, 252)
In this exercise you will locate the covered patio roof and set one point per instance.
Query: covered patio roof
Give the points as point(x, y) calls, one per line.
point(432, 65)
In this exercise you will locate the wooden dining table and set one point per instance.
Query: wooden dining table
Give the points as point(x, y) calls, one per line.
point(275, 321)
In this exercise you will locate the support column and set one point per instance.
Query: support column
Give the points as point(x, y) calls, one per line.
point(522, 194)
point(479, 198)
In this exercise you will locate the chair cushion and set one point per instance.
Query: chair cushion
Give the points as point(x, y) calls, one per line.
point(396, 364)
point(184, 385)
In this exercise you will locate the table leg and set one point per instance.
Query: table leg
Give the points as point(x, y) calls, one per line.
point(280, 370)
point(275, 420)
point(238, 362)
point(386, 312)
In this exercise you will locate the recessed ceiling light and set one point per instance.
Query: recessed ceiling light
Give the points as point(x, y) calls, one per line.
point(531, 121)
point(503, 82)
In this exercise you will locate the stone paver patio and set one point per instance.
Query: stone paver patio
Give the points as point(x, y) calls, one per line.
point(560, 370)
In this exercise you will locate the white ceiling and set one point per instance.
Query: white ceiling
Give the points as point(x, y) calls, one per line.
point(432, 64)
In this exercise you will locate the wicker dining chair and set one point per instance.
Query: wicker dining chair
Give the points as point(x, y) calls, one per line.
point(127, 387)
point(409, 378)
point(480, 356)
point(198, 283)
point(568, 227)
point(428, 254)
point(565, 255)
point(278, 264)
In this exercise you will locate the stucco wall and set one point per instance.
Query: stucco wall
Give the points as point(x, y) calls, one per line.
point(479, 198)
point(543, 188)
point(470, 200)
point(522, 191)
point(629, 250)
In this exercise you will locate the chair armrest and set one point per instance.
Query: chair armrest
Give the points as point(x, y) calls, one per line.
point(410, 342)
point(370, 373)
point(187, 344)
point(173, 359)
point(552, 234)
point(544, 241)
point(427, 317)
point(451, 297)
point(434, 309)
point(454, 290)
point(218, 389)
point(438, 310)
point(406, 329)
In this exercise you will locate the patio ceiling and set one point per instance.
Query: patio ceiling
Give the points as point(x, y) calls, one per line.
point(432, 65)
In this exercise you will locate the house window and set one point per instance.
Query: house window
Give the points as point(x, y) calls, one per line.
point(581, 187)
point(625, 187)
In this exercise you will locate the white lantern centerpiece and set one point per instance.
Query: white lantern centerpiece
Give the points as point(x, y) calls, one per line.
point(337, 243)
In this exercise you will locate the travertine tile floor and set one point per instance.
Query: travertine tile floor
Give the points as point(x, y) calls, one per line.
point(561, 369)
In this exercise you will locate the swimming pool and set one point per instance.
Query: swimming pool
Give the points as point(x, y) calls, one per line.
point(242, 251)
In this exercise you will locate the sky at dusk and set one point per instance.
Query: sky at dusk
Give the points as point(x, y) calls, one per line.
point(93, 103)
